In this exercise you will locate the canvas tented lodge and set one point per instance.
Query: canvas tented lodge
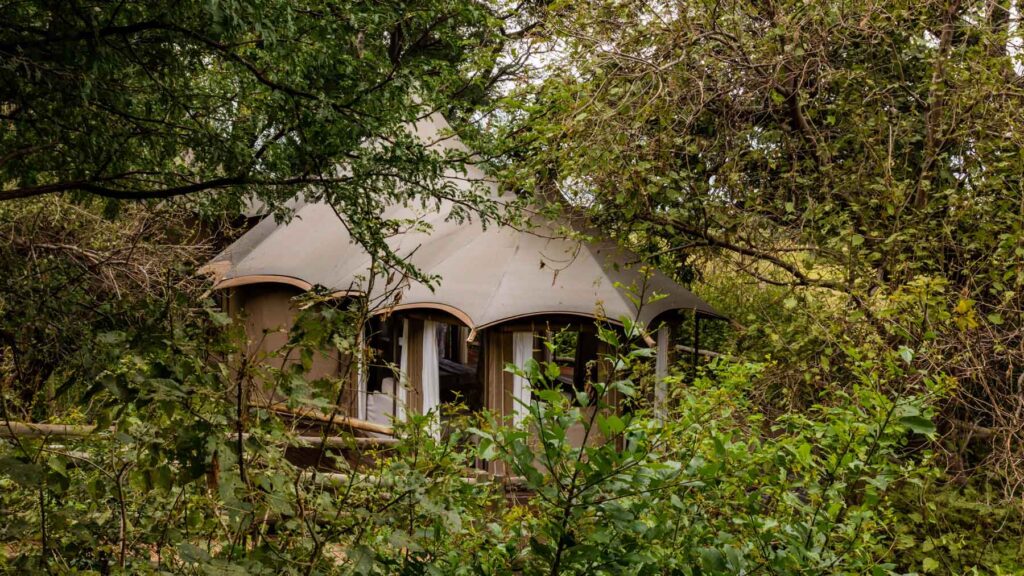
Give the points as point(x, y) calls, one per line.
point(500, 292)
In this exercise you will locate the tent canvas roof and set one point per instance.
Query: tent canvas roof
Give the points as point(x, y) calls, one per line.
point(487, 276)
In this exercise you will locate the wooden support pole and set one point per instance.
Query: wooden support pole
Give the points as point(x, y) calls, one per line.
point(661, 368)
point(696, 341)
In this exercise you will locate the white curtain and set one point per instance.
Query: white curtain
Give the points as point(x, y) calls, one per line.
point(431, 372)
point(403, 371)
point(661, 370)
point(522, 350)
point(380, 406)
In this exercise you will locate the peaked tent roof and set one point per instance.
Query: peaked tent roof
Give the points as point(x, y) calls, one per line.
point(487, 276)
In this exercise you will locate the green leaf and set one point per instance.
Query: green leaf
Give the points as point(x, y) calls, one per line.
point(219, 318)
point(552, 371)
point(919, 424)
point(192, 553)
point(610, 425)
point(712, 560)
point(625, 387)
point(582, 398)
point(642, 353)
point(906, 354)
point(27, 474)
point(362, 559)
point(480, 433)
point(487, 450)
point(550, 395)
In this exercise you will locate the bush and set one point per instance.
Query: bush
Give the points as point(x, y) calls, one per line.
point(714, 488)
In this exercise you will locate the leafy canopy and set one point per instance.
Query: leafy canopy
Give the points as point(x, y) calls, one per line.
point(248, 100)
point(867, 151)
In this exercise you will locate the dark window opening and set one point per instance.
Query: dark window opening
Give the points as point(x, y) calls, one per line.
point(382, 340)
point(459, 367)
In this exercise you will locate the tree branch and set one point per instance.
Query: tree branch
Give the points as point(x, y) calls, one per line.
point(95, 186)
point(800, 277)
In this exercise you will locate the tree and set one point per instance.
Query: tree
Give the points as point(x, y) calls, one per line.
point(244, 101)
point(867, 153)
point(103, 318)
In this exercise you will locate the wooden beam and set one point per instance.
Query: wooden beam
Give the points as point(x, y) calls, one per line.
point(707, 353)
point(347, 441)
point(335, 441)
point(31, 430)
point(476, 477)
point(318, 416)
point(10, 429)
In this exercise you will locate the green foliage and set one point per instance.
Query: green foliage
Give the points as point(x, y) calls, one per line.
point(77, 289)
point(726, 483)
point(847, 173)
point(715, 488)
point(858, 164)
point(173, 481)
point(958, 530)
point(257, 101)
